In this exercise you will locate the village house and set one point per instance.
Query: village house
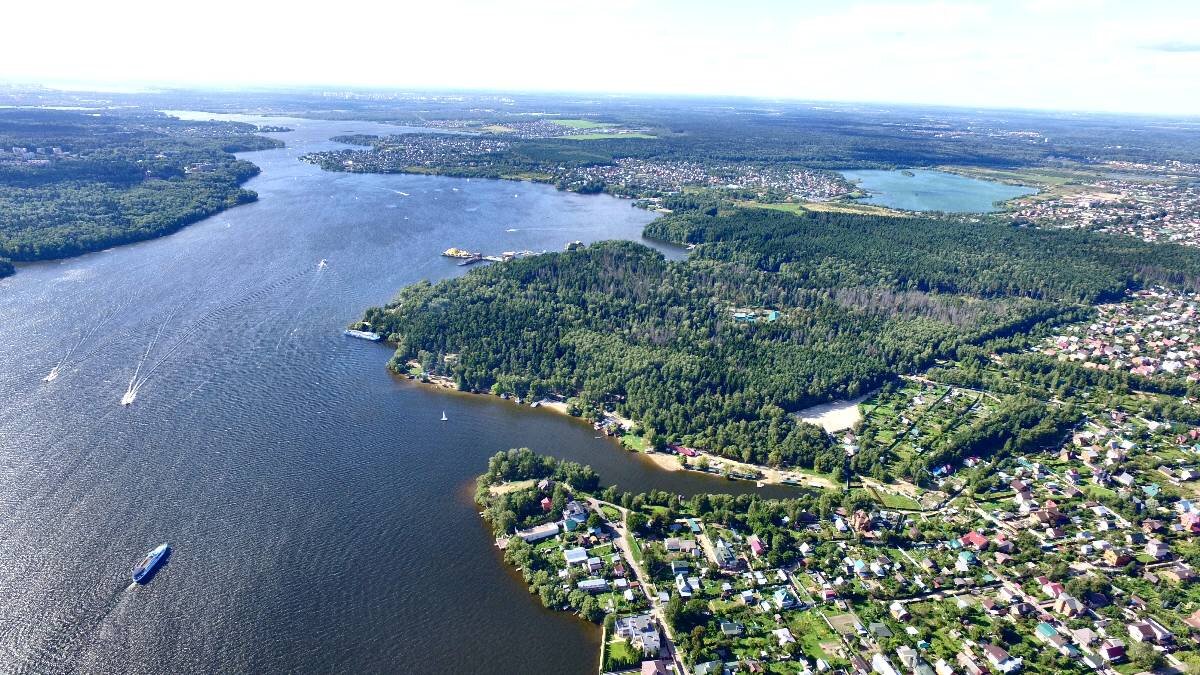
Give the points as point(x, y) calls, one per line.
point(1068, 606)
point(641, 632)
point(576, 556)
point(593, 585)
point(685, 546)
point(1177, 574)
point(1111, 650)
point(1158, 550)
point(898, 612)
point(1001, 660)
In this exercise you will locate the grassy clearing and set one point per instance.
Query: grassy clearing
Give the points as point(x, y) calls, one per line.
point(515, 486)
point(1034, 177)
point(895, 501)
point(635, 442)
point(581, 124)
point(532, 176)
point(600, 137)
point(825, 207)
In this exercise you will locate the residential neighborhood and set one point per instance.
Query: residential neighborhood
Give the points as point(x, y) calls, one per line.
point(1073, 555)
point(1157, 203)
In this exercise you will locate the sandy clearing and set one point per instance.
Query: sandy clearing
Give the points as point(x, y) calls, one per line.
point(835, 416)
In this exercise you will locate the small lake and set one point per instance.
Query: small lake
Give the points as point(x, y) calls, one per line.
point(927, 190)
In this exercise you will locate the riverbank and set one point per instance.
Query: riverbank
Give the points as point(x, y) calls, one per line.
point(703, 463)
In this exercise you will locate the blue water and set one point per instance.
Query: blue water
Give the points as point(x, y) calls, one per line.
point(927, 190)
point(319, 512)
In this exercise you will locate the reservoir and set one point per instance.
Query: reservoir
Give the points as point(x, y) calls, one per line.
point(319, 512)
point(927, 190)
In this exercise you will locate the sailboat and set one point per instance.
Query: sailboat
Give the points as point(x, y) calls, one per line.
point(444, 418)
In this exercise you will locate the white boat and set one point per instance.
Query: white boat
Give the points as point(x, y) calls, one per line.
point(323, 264)
point(363, 334)
point(444, 418)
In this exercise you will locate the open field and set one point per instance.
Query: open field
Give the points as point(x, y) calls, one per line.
point(534, 176)
point(825, 207)
point(1033, 177)
point(514, 486)
point(581, 124)
point(603, 136)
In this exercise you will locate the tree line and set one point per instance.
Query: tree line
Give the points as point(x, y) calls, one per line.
point(115, 178)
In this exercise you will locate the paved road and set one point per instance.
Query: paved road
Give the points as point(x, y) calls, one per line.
point(625, 546)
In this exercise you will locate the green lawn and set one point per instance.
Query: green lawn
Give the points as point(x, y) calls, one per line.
point(635, 442)
point(637, 549)
point(895, 501)
point(621, 654)
point(811, 632)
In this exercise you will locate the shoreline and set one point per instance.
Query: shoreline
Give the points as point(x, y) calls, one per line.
point(663, 461)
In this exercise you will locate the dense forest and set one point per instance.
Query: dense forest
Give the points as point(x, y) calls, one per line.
point(771, 313)
point(73, 182)
point(942, 255)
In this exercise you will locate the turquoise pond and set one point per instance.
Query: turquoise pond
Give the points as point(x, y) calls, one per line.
point(926, 190)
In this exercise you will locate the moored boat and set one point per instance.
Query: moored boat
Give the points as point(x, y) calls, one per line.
point(363, 334)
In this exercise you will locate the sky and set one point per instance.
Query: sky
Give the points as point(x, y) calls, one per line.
point(1097, 55)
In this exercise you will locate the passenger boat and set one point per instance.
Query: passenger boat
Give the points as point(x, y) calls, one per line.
point(145, 569)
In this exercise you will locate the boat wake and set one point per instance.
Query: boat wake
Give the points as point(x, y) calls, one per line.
point(303, 300)
point(64, 636)
point(140, 378)
point(70, 356)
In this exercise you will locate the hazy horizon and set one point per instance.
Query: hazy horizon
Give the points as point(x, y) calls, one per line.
point(1062, 55)
point(154, 88)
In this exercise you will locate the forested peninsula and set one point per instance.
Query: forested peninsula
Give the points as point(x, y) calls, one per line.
point(772, 312)
point(73, 182)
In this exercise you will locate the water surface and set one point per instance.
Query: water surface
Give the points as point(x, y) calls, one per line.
point(320, 512)
point(927, 190)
